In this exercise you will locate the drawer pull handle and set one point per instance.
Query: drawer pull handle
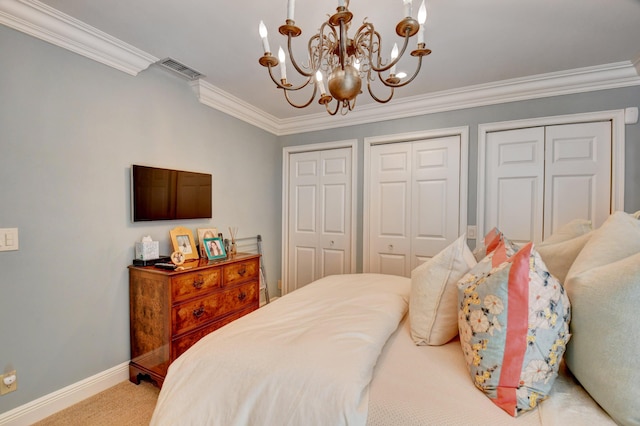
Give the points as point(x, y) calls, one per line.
point(199, 282)
point(242, 271)
point(198, 312)
point(242, 296)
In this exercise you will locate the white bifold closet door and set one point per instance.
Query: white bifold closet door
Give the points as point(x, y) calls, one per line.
point(319, 234)
point(540, 178)
point(414, 202)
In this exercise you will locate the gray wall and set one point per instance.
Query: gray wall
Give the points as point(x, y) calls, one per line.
point(70, 129)
point(472, 117)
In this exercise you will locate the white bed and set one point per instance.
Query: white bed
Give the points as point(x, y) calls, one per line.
point(339, 351)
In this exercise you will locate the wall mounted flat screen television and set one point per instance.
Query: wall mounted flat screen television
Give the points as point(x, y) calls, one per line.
point(165, 194)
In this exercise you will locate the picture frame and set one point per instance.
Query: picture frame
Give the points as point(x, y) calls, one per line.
point(205, 233)
point(182, 240)
point(214, 248)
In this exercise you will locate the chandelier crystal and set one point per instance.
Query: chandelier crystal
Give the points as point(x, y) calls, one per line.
point(346, 61)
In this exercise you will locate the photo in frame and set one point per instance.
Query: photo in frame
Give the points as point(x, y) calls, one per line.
point(182, 240)
point(214, 248)
point(205, 233)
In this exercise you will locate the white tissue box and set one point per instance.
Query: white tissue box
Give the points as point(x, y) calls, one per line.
point(148, 250)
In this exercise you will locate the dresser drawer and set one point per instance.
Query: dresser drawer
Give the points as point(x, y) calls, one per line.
point(193, 284)
point(241, 271)
point(195, 313)
point(180, 345)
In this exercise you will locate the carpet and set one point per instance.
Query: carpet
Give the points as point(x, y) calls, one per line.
point(123, 404)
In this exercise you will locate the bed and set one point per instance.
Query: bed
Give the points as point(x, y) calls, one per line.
point(339, 351)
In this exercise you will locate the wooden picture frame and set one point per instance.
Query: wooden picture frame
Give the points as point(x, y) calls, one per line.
point(205, 233)
point(214, 248)
point(182, 240)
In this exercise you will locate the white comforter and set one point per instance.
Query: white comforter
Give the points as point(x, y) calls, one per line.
point(307, 358)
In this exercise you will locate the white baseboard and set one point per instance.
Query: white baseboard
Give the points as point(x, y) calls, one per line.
point(59, 400)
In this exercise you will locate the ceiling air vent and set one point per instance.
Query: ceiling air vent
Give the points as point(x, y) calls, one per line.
point(181, 69)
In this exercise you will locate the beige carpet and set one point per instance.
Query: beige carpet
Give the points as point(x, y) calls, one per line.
point(123, 404)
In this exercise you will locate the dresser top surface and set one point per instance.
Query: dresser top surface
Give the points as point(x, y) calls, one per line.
point(199, 264)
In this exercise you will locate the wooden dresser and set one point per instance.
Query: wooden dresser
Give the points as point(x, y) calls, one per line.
point(171, 310)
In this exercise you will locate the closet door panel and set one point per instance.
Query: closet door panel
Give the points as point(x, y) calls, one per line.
point(390, 209)
point(514, 183)
point(392, 264)
point(319, 241)
point(518, 206)
point(578, 174)
point(304, 172)
point(303, 265)
point(435, 196)
point(335, 240)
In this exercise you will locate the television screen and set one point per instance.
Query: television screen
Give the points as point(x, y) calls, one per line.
point(165, 194)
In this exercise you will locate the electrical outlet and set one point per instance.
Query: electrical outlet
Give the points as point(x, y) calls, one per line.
point(8, 382)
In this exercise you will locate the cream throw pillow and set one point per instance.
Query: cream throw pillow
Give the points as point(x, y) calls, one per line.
point(604, 288)
point(433, 310)
point(561, 248)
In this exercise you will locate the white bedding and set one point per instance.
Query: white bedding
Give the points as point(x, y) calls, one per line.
point(332, 353)
point(430, 385)
point(307, 358)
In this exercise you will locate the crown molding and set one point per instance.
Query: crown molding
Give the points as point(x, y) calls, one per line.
point(609, 76)
point(216, 98)
point(46, 23)
point(580, 80)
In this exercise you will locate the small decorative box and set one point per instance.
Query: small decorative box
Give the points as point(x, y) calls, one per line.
point(147, 250)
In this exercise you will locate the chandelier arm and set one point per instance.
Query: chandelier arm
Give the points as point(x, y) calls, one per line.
point(320, 49)
point(415, 74)
point(364, 33)
point(335, 111)
point(293, 61)
point(375, 98)
point(394, 62)
point(313, 95)
point(287, 87)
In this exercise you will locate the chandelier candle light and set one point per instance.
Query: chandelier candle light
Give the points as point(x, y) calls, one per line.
point(346, 60)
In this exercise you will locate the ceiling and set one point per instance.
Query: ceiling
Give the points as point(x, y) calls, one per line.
point(474, 42)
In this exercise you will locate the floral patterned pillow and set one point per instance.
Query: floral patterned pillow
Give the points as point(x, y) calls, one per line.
point(514, 326)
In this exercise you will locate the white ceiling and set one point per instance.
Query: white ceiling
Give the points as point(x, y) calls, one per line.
point(473, 42)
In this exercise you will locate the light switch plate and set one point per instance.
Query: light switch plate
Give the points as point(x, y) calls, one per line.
point(472, 232)
point(9, 239)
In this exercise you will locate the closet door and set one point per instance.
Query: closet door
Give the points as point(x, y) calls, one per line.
point(390, 209)
point(414, 202)
point(538, 179)
point(514, 190)
point(577, 174)
point(319, 230)
point(435, 197)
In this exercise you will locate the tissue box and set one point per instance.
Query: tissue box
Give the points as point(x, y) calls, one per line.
point(148, 250)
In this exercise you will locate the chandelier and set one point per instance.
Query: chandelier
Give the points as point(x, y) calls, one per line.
point(346, 60)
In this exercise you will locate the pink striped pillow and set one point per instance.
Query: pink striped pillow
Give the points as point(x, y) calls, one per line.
point(514, 326)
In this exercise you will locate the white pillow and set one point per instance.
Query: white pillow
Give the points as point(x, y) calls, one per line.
point(560, 249)
point(604, 288)
point(433, 310)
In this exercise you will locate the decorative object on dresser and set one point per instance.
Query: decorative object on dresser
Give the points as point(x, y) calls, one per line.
point(182, 240)
point(177, 257)
point(171, 310)
point(147, 249)
point(233, 233)
point(214, 248)
point(202, 234)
